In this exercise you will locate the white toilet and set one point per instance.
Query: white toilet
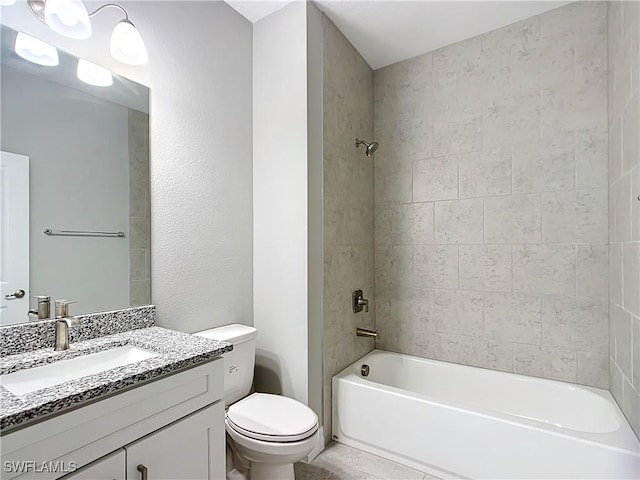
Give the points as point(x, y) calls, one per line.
point(267, 433)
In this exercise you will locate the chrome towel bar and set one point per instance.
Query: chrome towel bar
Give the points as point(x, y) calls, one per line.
point(81, 233)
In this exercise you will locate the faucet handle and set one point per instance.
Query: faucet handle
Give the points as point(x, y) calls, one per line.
point(358, 302)
point(62, 308)
point(363, 302)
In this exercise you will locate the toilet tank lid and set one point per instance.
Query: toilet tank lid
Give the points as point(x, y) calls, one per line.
point(234, 333)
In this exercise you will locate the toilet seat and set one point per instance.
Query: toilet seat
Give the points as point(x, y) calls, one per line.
point(272, 418)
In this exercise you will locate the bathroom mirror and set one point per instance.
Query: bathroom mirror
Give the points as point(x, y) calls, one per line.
point(74, 183)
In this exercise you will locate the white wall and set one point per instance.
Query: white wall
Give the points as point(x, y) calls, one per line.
point(199, 73)
point(280, 201)
point(315, 184)
point(77, 146)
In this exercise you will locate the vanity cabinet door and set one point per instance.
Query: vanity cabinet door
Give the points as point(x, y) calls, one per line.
point(110, 467)
point(190, 449)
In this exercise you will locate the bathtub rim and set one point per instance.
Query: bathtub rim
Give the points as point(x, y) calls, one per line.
point(622, 440)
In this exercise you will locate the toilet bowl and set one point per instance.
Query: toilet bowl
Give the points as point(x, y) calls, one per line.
point(267, 433)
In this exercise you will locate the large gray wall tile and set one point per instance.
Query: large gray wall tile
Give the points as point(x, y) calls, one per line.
point(393, 183)
point(631, 405)
point(593, 369)
point(484, 174)
point(452, 55)
point(348, 206)
point(635, 206)
point(513, 317)
point(510, 118)
point(404, 319)
point(413, 224)
point(572, 109)
point(486, 268)
point(630, 137)
point(622, 339)
point(482, 79)
point(615, 150)
point(458, 132)
point(575, 216)
point(574, 322)
point(556, 363)
point(624, 210)
point(615, 273)
point(544, 166)
point(620, 196)
point(636, 353)
point(544, 61)
point(482, 352)
point(631, 277)
point(492, 194)
point(435, 179)
point(512, 219)
point(459, 221)
point(592, 270)
point(435, 266)
point(393, 266)
point(591, 158)
point(458, 312)
point(544, 269)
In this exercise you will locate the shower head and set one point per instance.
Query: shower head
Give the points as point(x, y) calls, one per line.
point(371, 147)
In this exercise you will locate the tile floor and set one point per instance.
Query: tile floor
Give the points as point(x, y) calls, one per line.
point(339, 462)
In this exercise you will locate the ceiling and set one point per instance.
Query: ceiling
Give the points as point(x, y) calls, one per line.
point(388, 31)
point(254, 10)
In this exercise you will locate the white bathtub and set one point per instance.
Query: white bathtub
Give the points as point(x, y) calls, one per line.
point(456, 421)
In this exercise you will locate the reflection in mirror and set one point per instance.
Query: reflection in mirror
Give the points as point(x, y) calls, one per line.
point(75, 163)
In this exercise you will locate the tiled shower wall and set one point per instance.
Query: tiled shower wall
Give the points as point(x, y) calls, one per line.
point(624, 206)
point(348, 205)
point(491, 199)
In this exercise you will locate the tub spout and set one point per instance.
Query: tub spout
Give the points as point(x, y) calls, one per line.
point(364, 332)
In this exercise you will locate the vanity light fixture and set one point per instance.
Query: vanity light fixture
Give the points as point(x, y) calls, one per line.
point(126, 44)
point(94, 74)
point(70, 18)
point(36, 51)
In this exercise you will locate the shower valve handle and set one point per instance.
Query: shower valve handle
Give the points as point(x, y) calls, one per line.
point(358, 302)
point(364, 303)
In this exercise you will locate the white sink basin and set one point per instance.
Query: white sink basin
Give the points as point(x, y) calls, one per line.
point(32, 379)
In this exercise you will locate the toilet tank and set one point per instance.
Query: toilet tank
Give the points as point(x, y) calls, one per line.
point(238, 363)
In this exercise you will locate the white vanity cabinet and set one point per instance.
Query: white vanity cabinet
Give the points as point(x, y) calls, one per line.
point(173, 426)
point(111, 467)
point(189, 449)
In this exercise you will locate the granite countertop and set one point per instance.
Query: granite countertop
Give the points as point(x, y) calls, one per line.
point(175, 351)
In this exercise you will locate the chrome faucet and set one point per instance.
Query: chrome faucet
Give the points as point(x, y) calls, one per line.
point(63, 322)
point(62, 332)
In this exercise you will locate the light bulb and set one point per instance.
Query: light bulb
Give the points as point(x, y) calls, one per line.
point(127, 45)
point(68, 18)
point(94, 74)
point(36, 51)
